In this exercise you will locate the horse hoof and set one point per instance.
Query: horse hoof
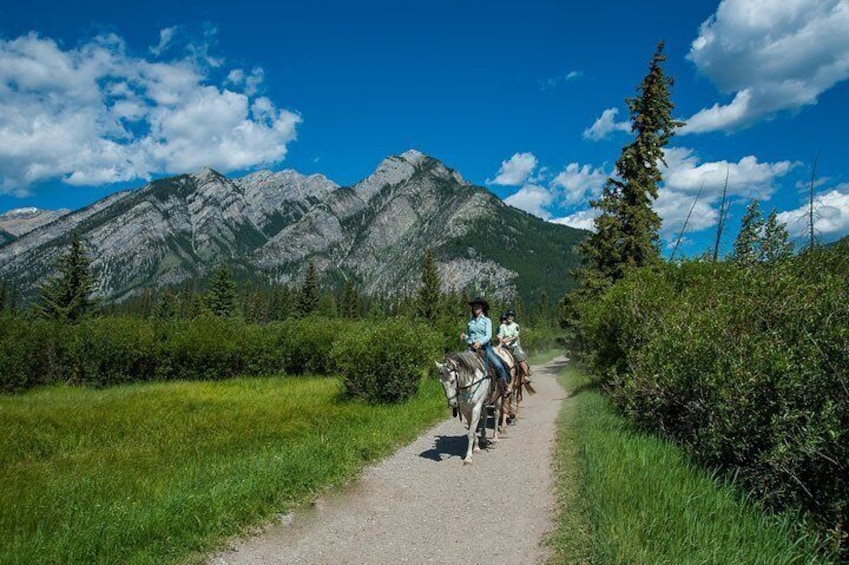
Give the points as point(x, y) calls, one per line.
point(477, 449)
point(467, 462)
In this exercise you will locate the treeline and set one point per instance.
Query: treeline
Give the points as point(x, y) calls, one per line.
point(742, 359)
point(378, 346)
point(69, 295)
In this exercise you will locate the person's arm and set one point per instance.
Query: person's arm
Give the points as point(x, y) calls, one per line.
point(487, 328)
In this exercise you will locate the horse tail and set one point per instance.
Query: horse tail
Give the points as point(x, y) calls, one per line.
point(529, 388)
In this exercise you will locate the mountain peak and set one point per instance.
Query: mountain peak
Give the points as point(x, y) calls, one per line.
point(206, 174)
point(413, 157)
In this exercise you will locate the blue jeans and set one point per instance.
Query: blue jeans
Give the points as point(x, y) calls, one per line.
point(495, 361)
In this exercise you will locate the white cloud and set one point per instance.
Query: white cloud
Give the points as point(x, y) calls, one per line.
point(831, 214)
point(748, 177)
point(576, 182)
point(249, 82)
point(574, 185)
point(686, 175)
point(553, 82)
point(583, 219)
point(772, 55)
point(94, 114)
point(532, 199)
point(515, 170)
point(605, 125)
point(166, 35)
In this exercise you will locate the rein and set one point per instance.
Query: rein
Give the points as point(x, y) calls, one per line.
point(466, 396)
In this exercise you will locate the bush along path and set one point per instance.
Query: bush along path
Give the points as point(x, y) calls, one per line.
point(423, 506)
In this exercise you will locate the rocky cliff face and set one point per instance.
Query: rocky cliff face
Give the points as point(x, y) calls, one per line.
point(16, 223)
point(271, 225)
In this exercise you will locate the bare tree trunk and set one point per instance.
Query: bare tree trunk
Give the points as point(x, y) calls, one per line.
point(723, 214)
point(812, 240)
point(686, 221)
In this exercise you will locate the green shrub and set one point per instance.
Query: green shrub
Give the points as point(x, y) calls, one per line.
point(747, 367)
point(384, 363)
point(308, 343)
point(31, 353)
point(112, 350)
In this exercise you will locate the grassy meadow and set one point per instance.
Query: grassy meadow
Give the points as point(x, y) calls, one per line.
point(633, 498)
point(163, 472)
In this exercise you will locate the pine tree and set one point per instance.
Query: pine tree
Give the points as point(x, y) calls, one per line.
point(626, 234)
point(327, 306)
point(221, 296)
point(166, 307)
point(8, 298)
point(775, 245)
point(541, 317)
point(349, 305)
point(280, 306)
point(309, 294)
point(747, 246)
point(429, 299)
point(68, 295)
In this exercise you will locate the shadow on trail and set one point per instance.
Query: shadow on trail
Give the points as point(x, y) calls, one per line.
point(453, 446)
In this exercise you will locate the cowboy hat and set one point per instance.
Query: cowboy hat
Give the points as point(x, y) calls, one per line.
point(480, 301)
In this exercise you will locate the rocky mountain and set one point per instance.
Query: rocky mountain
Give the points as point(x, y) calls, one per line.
point(270, 225)
point(16, 223)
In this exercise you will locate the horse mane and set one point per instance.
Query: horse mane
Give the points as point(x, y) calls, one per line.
point(467, 361)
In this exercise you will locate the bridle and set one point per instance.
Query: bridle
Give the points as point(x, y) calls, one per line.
point(460, 388)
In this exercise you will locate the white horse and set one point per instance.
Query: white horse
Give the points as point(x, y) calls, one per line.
point(469, 388)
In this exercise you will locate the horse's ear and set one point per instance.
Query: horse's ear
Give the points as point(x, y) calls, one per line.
point(439, 365)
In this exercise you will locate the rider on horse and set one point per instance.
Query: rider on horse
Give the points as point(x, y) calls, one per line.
point(508, 334)
point(478, 335)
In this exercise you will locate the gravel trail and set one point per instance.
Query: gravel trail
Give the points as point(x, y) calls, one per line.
point(422, 505)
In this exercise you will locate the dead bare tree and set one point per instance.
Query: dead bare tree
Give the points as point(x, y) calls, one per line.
point(812, 240)
point(686, 221)
point(724, 205)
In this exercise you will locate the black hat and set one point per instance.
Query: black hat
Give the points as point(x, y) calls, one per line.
point(480, 301)
point(509, 313)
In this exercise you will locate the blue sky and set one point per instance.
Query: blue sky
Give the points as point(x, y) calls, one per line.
point(526, 98)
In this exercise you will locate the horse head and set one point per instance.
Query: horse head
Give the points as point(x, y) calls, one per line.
point(448, 378)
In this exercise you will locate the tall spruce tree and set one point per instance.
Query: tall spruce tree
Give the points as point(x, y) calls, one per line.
point(310, 292)
point(626, 234)
point(8, 298)
point(747, 246)
point(166, 307)
point(429, 298)
point(68, 295)
point(349, 305)
point(221, 296)
point(775, 244)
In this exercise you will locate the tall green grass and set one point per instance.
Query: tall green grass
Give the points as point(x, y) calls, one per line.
point(630, 497)
point(157, 473)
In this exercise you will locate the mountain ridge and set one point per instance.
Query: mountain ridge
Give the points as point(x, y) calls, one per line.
point(269, 225)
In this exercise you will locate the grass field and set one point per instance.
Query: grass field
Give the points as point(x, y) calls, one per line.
point(156, 473)
point(627, 497)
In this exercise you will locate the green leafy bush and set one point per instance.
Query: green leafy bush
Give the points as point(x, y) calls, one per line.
point(31, 353)
point(747, 367)
point(308, 342)
point(384, 363)
point(111, 350)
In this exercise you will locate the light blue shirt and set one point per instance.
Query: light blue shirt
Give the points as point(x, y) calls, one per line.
point(479, 330)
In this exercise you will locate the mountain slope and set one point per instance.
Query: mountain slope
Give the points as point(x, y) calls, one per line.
point(270, 225)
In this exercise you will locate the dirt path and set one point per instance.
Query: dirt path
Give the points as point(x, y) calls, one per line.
point(423, 506)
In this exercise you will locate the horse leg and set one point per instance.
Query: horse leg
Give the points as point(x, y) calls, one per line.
point(473, 434)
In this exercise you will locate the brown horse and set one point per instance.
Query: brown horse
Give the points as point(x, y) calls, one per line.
point(513, 402)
